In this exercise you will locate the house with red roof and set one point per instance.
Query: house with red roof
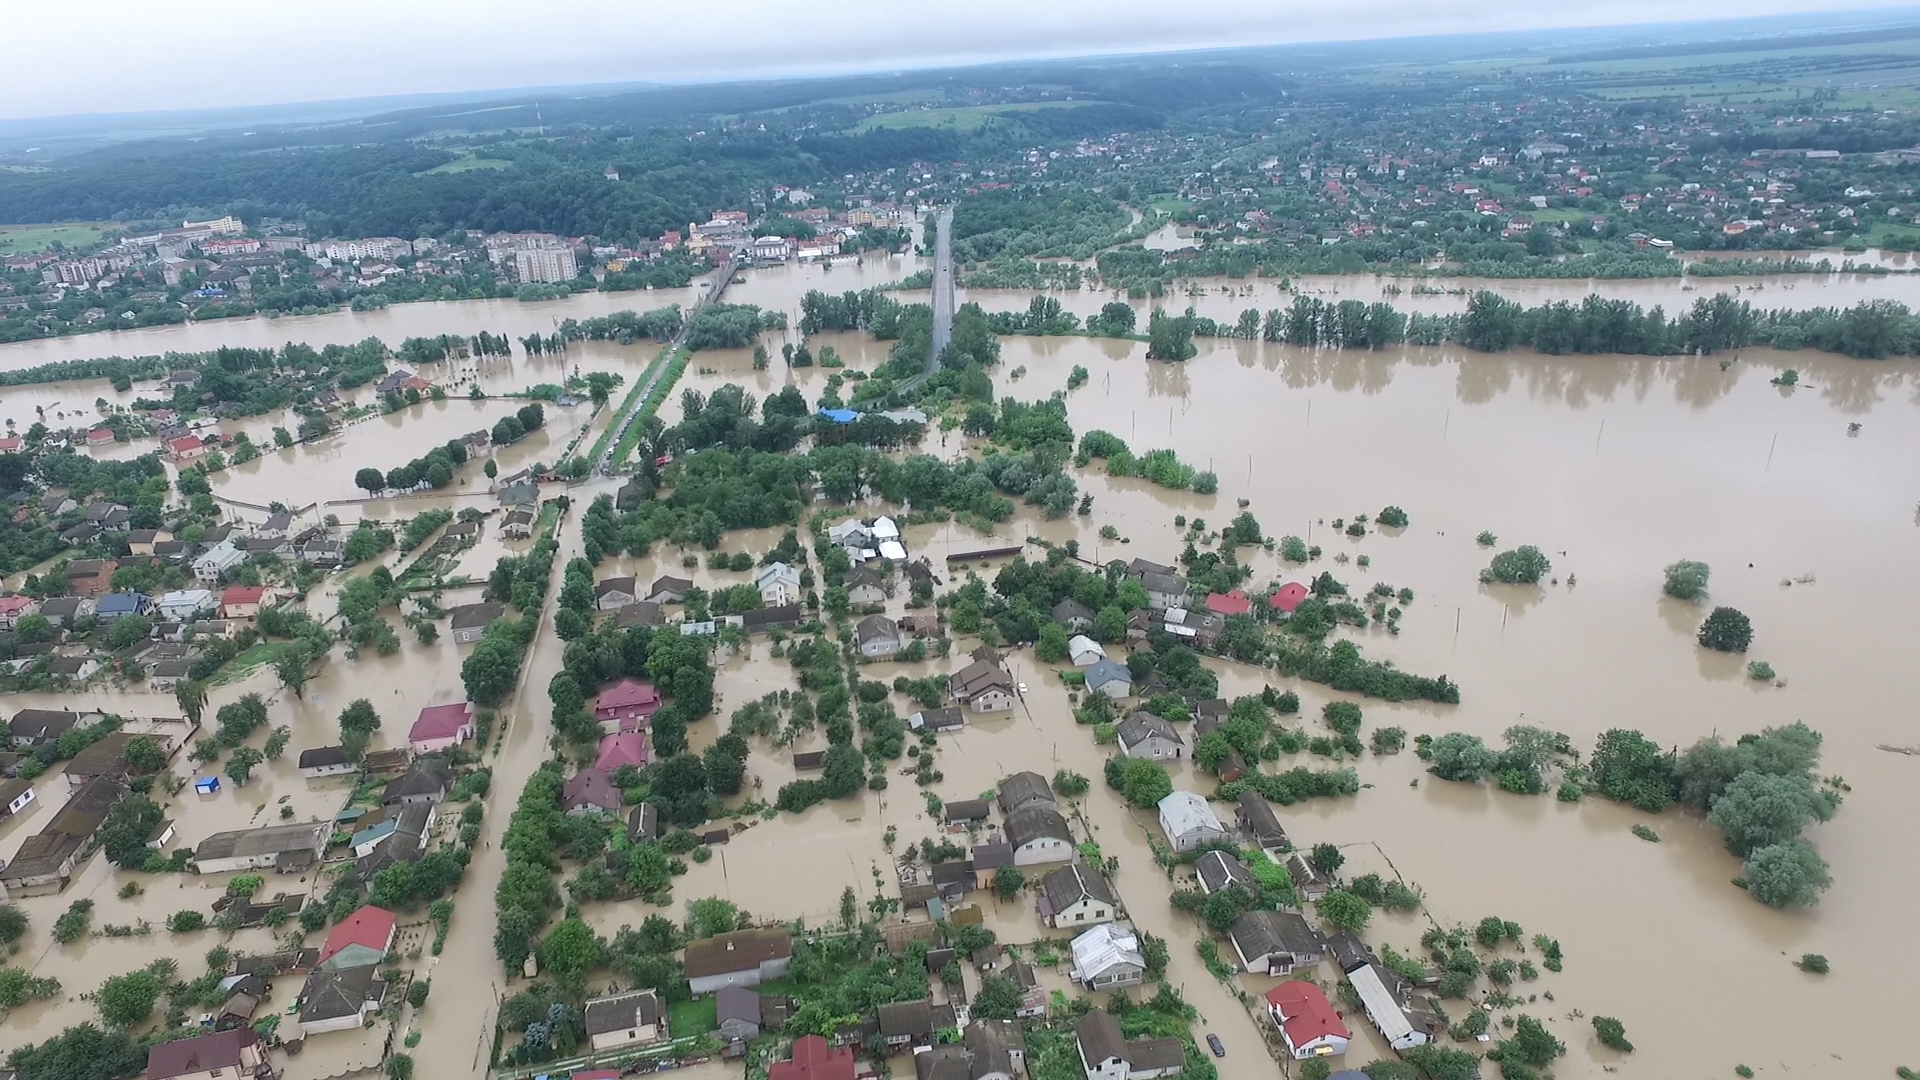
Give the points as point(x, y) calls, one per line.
point(13, 608)
point(186, 448)
point(625, 748)
point(1307, 1021)
point(1230, 603)
point(241, 601)
point(9, 444)
point(361, 938)
point(813, 1059)
point(441, 727)
point(627, 705)
point(100, 437)
point(1287, 597)
point(590, 791)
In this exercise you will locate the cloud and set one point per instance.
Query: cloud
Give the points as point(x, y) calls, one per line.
point(136, 56)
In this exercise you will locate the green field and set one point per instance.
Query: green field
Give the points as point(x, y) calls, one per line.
point(466, 162)
point(695, 1017)
point(24, 239)
point(961, 118)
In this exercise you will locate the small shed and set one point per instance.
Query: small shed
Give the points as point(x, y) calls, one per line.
point(206, 785)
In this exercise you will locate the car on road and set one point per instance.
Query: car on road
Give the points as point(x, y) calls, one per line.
point(1023, 689)
point(1214, 1044)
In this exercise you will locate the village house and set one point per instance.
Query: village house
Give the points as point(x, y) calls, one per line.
point(590, 792)
point(1074, 615)
point(613, 594)
point(13, 608)
point(441, 727)
point(326, 761)
point(15, 795)
point(1219, 870)
point(627, 705)
point(1038, 834)
point(362, 938)
point(74, 669)
point(182, 605)
point(1163, 590)
point(64, 611)
point(240, 601)
point(284, 848)
point(947, 718)
point(1108, 957)
point(90, 577)
point(1391, 1007)
point(766, 619)
point(46, 860)
point(469, 621)
point(31, 727)
point(1202, 628)
point(622, 748)
point(217, 561)
point(643, 824)
point(814, 1059)
point(988, 1050)
point(428, 779)
point(1229, 603)
point(640, 613)
point(408, 822)
point(983, 687)
point(1024, 789)
point(236, 1053)
point(1144, 735)
point(120, 605)
point(107, 757)
point(140, 542)
point(737, 1011)
point(740, 958)
point(1307, 1021)
point(517, 525)
point(633, 1018)
point(1084, 651)
point(912, 1023)
point(878, 636)
point(186, 448)
point(1106, 1054)
point(1076, 895)
point(342, 999)
point(667, 589)
point(779, 585)
point(1109, 678)
point(1188, 821)
point(1276, 942)
point(1308, 883)
point(864, 586)
point(1255, 816)
point(965, 811)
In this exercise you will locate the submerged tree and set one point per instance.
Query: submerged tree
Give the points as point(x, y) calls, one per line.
point(1726, 630)
point(1687, 580)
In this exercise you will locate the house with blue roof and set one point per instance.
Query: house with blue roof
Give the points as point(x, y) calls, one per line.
point(116, 605)
point(840, 416)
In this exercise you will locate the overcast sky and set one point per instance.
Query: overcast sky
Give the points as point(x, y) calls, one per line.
point(139, 55)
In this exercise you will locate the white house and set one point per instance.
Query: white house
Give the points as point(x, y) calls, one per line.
point(615, 593)
point(1076, 895)
point(865, 587)
point(628, 1019)
point(1038, 834)
point(1308, 1023)
point(1084, 651)
point(779, 585)
point(258, 849)
point(1108, 957)
point(1111, 679)
point(340, 1000)
point(741, 958)
point(1276, 942)
point(1144, 735)
point(1387, 1001)
point(214, 563)
point(1188, 821)
point(983, 687)
point(1106, 1054)
point(850, 534)
point(879, 637)
point(184, 604)
point(1164, 590)
point(326, 761)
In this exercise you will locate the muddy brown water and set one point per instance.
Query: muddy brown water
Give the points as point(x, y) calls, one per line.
point(1614, 466)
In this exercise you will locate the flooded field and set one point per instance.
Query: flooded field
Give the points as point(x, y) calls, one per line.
point(1613, 466)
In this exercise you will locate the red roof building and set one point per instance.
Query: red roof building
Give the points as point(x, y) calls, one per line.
point(627, 705)
point(1307, 1020)
point(440, 727)
point(1232, 603)
point(241, 601)
point(1287, 597)
point(99, 436)
point(9, 444)
point(626, 748)
point(813, 1059)
point(360, 939)
point(186, 447)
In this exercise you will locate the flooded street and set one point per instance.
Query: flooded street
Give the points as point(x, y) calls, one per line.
point(1613, 466)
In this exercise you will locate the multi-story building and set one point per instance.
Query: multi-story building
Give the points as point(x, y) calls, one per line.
point(545, 264)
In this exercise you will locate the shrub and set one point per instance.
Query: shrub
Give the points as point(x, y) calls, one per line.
point(1686, 580)
point(1524, 565)
point(1486, 539)
point(1612, 1033)
point(185, 922)
point(1392, 517)
point(1813, 962)
point(1646, 834)
point(1760, 671)
point(1726, 630)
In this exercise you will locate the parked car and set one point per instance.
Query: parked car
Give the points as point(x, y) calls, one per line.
point(1214, 1044)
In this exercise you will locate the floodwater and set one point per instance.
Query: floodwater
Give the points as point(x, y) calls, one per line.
point(1613, 466)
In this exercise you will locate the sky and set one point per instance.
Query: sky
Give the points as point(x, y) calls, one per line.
point(140, 56)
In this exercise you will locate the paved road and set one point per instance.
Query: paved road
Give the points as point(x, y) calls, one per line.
point(722, 277)
point(943, 289)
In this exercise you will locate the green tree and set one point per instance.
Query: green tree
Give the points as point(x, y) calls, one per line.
point(13, 923)
point(1612, 1033)
point(1531, 1044)
point(1051, 648)
point(1069, 784)
point(1786, 875)
point(1144, 783)
point(125, 1001)
point(358, 722)
point(999, 998)
point(192, 698)
point(127, 630)
point(292, 668)
point(1687, 580)
point(33, 629)
point(1344, 911)
point(144, 754)
point(1726, 630)
point(1008, 881)
point(370, 480)
point(1524, 565)
point(239, 767)
point(399, 1066)
point(1326, 858)
point(1759, 810)
point(571, 949)
point(1628, 767)
point(1465, 758)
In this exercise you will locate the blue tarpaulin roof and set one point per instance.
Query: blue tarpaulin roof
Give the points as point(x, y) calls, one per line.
point(840, 416)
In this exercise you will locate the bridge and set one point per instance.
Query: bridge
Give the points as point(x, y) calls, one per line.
point(943, 289)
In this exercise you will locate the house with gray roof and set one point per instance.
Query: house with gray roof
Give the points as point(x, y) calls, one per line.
point(1144, 735)
point(1076, 895)
point(1276, 942)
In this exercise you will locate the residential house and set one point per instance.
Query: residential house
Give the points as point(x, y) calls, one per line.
point(217, 561)
point(632, 494)
point(64, 611)
point(1287, 598)
point(998, 1049)
point(850, 534)
point(643, 823)
point(1106, 1054)
point(240, 601)
point(1308, 1024)
point(615, 593)
point(779, 585)
point(31, 727)
point(107, 757)
point(1276, 942)
point(1074, 615)
point(590, 791)
point(441, 727)
point(1201, 628)
point(1144, 735)
point(984, 686)
point(15, 795)
point(1164, 590)
point(814, 1059)
point(140, 542)
point(277, 525)
point(1038, 834)
point(1254, 814)
point(1229, 603)
point(13, 608)
point(90, 577)
point(1024, 789)
point(468, 621)
point(622, 748)
point(519, 489)
point(237, 1053)
point(865, 586)
point(285, 848)
point(326, 761)
point(912, 1023)
point(627, 705)
point(120, 605)
point(1111, 679)
point(879, 637)
point(1188, 821)
point(46, 860)
point(1219, 870)
point(737, 1011)
point(167, 674)
point(667, 589)
point(184, 604)
point(946, 718)
point(517, 525)
point(1391, 1007)
point(1084, 651)
point(342, 999)
point(640, 613)
point(634, 1018)
point(1308, 883)
point(1033, 997)
point(965, 811)
point(324, 552)
point(75, 668)
point(186, 448)
point(1076, 895)
point(266, 545)
point(362, 938)
point(766, 619)
point(989, 859)
point(740, 958)
point(428, 779)
point(1108, 957)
